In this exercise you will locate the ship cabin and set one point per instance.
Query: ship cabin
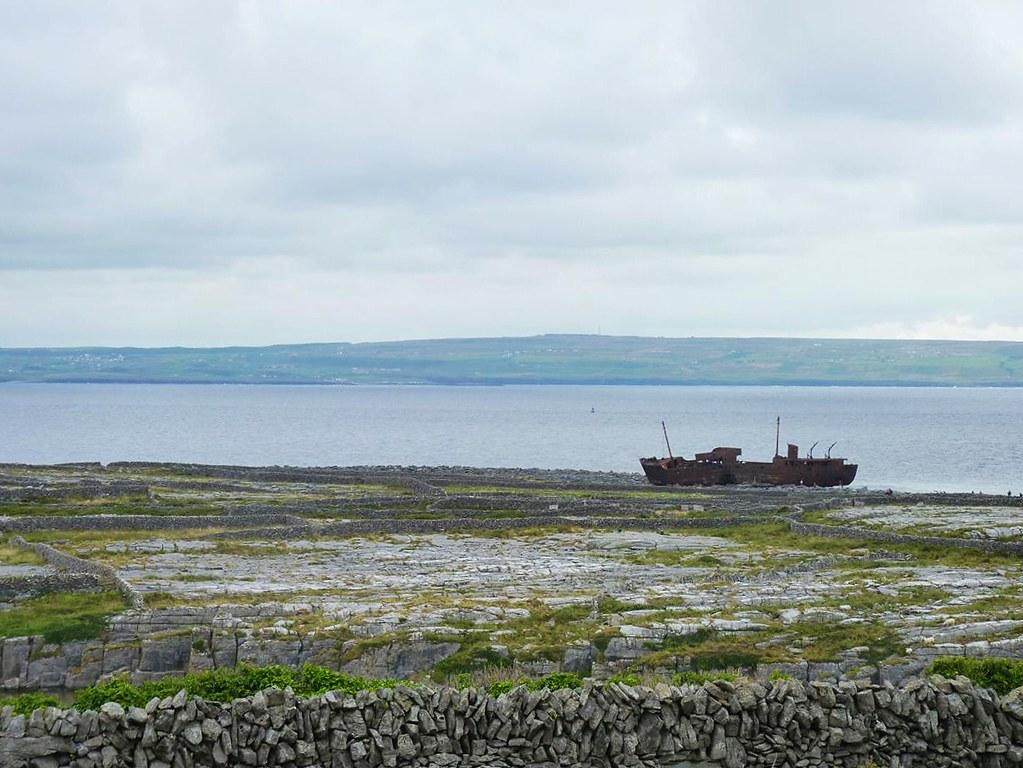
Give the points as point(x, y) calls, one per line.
point(721, 455)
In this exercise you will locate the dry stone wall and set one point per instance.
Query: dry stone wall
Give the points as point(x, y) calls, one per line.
point(28, 524)
point(20, 587)
point(66, 563)
point(80, 490)
point(510, 523)
point(853, 532)
point(784, 724)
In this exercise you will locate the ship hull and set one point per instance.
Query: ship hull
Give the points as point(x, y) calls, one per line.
point(820, 473)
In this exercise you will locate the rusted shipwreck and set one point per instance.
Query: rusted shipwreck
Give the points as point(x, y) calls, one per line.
point(722, 466)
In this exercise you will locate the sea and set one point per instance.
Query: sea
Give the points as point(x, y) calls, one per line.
point(922, 439)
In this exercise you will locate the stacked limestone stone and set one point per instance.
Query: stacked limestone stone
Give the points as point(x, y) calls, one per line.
point(923, 723)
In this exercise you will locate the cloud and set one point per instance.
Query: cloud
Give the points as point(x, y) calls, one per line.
point(960, 327)
point(471, 168)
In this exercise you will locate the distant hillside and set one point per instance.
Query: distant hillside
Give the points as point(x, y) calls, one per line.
point(552, 359)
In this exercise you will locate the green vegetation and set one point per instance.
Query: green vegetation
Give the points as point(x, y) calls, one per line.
point(609, 604)
point(699, 637)
point(1002, 675)
point(124, 505)
point(1006, 603)
point(549, 359)
point(862, 599)
point(641, 677)
point(537, 531)
point(683, 557)
point(492, 631)
point(227, 684)
point(669, 494)
point(27, 703)
point(62, 617)
point(97, 540)
point(475, 654)
point(708, 650)
point(553, 682)
point(710, 676)
point(11, 555)
point(247, 549)
point(775, 536)
point(825, 642)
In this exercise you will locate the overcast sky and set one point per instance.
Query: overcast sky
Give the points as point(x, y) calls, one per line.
point(244, 173)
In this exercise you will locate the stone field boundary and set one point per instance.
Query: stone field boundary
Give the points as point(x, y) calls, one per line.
point(935, 723)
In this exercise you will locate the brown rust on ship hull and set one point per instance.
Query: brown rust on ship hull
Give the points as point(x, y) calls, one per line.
point(722, 467)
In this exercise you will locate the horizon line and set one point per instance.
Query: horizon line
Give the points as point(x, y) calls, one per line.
point(511, 338)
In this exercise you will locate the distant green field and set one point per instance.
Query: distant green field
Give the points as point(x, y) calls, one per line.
point(553, 359)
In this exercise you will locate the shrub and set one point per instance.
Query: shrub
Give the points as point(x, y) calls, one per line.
point(1001, 675)
point(27, 703)
point(556, 681)
point(699, 678)
point(472, 656)
point(626, 678)
point(552, 682)
point(227, 684)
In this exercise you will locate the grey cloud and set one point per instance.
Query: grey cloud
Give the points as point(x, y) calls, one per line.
point(774, 157)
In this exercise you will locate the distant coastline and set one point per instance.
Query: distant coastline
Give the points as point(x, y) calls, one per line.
point(499, 384)
point(539, 360)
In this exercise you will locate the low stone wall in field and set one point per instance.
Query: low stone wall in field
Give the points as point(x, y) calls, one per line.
point(66, 563)
point(783, 724)
point(889, 537)
point(84, 489)
point(29, 524)
point(20, 587)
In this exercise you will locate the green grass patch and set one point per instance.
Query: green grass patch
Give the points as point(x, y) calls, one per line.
point(27, 703)
point(1001, 675)
point(1007, 603)
point(709, 676)
point(226, 684)
point(674, 557)
point(11, 555)
point(226, 547)
point(825, 642)
point(699, 637)
point(555, 681)
point(62, 617)
point(776, 535)
point(546, 632)
point(365, 644)
point(715, 661)
point(128, 504)
point(708, 650)
point(474, 655)
point(869, 601)
point(538, 531)
point(554, 493)
point(89, 541)
point(609, 604)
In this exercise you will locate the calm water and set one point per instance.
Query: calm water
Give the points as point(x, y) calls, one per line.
point(951, 439)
